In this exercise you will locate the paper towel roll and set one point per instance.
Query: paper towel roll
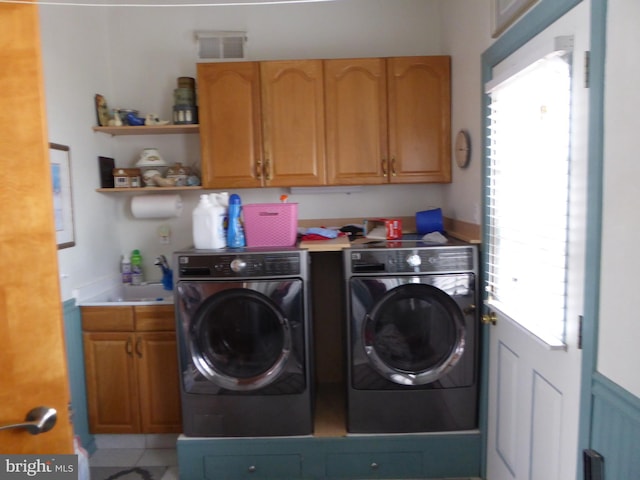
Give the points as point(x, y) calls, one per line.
point(156, 206)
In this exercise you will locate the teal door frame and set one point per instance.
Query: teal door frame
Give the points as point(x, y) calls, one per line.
point(594, 221)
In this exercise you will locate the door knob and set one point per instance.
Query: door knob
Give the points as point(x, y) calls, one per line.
point(38, 420)
point(490, 318)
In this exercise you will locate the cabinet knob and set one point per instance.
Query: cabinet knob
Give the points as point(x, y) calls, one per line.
point(259, 169)
point(374, 466)
point(252, 469)
point(393, 166)
point(384, 167)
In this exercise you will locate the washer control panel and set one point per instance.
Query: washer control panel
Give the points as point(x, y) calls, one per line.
point(242, 264)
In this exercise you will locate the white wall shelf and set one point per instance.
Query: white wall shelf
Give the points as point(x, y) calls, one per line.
point(148, 130)
point(145, 189)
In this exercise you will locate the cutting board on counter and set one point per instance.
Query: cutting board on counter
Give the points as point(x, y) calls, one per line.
point(329, 245)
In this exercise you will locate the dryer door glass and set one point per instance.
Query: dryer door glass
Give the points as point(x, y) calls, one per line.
point(240, 339)
point(414, 334)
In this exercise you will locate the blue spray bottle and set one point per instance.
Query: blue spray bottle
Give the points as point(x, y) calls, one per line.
point(235, 230)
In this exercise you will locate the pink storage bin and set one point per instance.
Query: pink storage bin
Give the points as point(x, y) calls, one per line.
point(270, 224)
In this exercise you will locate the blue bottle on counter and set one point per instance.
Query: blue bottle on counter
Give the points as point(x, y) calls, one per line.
point(235, 230)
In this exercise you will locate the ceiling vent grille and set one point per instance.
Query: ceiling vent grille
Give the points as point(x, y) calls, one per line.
point(221, 45)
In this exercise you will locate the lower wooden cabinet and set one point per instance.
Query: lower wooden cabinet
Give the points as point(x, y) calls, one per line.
point(131, 369)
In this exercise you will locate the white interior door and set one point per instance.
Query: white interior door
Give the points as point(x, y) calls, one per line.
point(534, 390)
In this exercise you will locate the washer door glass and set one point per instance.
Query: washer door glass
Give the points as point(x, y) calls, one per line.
point(414, 334)
point(240, 339)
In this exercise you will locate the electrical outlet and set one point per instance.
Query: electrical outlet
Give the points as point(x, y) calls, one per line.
point(164, 233)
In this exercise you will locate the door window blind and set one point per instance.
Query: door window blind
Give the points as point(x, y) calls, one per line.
point(528, 196)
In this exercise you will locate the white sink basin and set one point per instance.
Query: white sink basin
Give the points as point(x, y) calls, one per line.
point(148, 292)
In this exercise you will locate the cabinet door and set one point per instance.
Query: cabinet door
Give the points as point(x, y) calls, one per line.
point(293, 123)
point(419, 98)
point(158, 382)
point(112, 392)
point(356, 119)
point(230, 130)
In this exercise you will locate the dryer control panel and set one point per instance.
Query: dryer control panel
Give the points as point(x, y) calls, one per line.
point(411, 260)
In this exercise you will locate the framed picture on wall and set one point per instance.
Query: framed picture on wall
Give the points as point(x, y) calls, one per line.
point(59, 156)
point(505, 12)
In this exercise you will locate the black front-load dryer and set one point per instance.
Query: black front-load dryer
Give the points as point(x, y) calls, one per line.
point(243, 342)
point(412, 337)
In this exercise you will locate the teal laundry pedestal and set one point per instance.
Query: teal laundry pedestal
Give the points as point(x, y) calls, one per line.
point(411, 456)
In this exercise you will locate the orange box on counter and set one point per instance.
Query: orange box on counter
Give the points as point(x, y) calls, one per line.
point(383, 228)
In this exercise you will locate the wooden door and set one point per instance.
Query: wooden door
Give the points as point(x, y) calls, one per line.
point(293, 123)
point(33, 368)
point(158, 382)
point(112, 390)
point(356, 121)
point(419, 119)
point(230, 124)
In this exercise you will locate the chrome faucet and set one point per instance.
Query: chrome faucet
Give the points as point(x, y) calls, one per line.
point(161, 261)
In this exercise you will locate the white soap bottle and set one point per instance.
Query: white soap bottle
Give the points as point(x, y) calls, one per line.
point(125, 269)
point(203, 224)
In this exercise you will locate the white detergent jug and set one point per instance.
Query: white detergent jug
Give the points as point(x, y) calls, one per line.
point(203, 224)
point(219, 203)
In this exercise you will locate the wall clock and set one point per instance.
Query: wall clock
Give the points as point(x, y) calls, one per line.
point(462, 149)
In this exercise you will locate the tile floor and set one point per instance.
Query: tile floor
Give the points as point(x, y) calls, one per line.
point(137, 451)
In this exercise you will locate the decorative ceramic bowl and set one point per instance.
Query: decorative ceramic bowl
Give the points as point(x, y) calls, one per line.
point(150, 157)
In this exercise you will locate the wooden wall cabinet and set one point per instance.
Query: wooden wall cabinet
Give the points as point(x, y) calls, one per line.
point(293, 123)
point(230, 124)
point(356, 115)
point(325, 122)
point(388, 120)
point(131, 369)
point(262, 124)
